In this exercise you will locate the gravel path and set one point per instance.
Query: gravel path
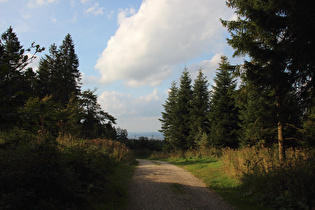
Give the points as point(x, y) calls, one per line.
point(160, 185)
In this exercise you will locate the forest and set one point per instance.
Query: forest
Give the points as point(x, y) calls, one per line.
point(57, 146)
point(60, 150)
point(257, 119)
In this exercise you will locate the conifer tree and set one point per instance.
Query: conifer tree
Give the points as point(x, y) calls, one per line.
point(68, 68)
point(277, 36)
point(223, 115)
point(16, 80)
point(46, 74)
point(58, 73)
point(183, 120)
point(169, 118)
point(257, 115)
point(199, 122)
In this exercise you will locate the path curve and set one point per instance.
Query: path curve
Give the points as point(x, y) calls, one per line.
point(160, 185)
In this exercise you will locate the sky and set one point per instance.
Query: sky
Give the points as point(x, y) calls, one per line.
point(129, 50)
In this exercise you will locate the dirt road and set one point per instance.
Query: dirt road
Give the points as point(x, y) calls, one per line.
point(160, 185)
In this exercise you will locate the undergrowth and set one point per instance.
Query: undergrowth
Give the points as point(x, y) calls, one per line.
point(42, 172)
point(263, 178)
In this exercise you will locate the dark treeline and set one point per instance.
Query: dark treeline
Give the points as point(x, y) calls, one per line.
point(49, 100)
point(275, 100)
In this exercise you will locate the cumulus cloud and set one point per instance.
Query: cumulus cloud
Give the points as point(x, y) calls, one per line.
point(162, 34)
point(130, 111)
point(208, 67)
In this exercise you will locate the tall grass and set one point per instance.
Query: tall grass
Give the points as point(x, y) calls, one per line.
point(202, 152)
point(289, 184)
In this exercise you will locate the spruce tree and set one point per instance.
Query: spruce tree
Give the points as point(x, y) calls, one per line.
point(46, 73)
point(277, 36)
point(199, 122)
point(58, 73)
point(257, 116)
point(16, 80)
point(169, 118)
point(223, 115)
point(183, 121)
point(68, 68)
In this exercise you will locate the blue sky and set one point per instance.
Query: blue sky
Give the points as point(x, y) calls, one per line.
point(130, 50)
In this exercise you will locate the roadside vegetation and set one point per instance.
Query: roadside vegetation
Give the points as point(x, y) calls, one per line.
point(252, 178)
point(40, 172)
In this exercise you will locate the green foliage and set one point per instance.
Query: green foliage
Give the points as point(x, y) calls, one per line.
point(62, 173)
point(48, 102)
point(16, 80)
point(308, 131)
point(223, 115)
point(144, 147)
point(95, 122)
point(169, 118)
point(58, 73)
point(274, 34)
point(183, 119)
point(199, 122)
point(40, 115)
point(257, 116)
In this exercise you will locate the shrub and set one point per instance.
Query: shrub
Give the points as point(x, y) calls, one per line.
point(64, 173)
point(282, 185)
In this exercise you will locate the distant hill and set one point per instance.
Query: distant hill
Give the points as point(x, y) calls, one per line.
point(149, 135)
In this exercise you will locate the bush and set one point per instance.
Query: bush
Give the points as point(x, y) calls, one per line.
point(282, 185)
point(45, 173)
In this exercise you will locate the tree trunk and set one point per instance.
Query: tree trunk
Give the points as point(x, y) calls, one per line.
point(280, 131)
point(281, 142)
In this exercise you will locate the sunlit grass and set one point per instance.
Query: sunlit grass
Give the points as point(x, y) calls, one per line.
point(211, 171)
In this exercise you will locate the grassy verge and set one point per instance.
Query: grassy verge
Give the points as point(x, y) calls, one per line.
point(117, 197)
point(211, 171)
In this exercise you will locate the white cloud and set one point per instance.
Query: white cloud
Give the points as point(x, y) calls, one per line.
point(95, 10)
point(134, 114)
point(123, 14)
point(208, 67)
point(39, 3)
point(84, 1)
point(35, 62)
point(161, 35)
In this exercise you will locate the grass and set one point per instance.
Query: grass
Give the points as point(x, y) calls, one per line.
point(119, 180)
point(210, 170)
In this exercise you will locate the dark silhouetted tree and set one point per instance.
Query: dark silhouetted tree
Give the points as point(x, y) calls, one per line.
point(16, 79)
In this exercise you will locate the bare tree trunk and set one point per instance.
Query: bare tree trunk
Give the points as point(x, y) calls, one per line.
point(280, 131)
point(281, 142)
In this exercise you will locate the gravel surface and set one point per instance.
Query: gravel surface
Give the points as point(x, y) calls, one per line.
point(160, 185)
